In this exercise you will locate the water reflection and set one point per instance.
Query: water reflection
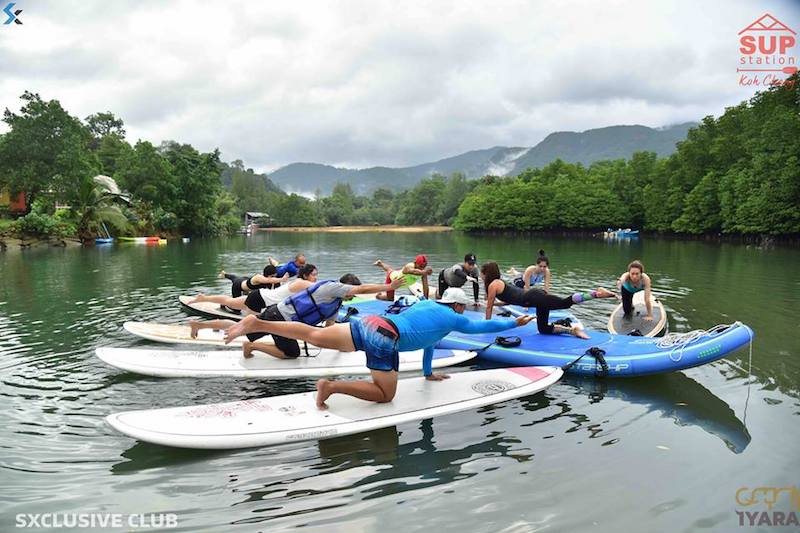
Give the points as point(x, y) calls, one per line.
point(675, 396)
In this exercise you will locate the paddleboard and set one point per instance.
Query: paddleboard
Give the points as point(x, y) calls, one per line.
point(141, 240)
point(625, 355)
point(209, 309)
point(621, 325)
point(295, 417)
point(203, 364)
point(181, 334)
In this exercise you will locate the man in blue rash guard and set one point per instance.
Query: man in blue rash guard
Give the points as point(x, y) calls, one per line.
point(419, 327)
point(290, 268)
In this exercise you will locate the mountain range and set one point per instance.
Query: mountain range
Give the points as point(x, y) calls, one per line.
point(613, 142)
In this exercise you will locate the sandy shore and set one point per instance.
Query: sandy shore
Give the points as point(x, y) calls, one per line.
point(363, 229)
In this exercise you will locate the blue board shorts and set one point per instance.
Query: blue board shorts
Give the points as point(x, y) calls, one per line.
point(378, 337)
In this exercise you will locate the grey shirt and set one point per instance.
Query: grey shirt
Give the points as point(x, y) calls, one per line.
point(324, 294)
point(456, 276)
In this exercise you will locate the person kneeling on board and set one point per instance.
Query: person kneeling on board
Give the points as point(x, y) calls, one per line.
point(420, 326)
point(311, 306)
point(410, 274)
point(255, 302)
point(538, 273)
point(631, 282)
point(497, 289)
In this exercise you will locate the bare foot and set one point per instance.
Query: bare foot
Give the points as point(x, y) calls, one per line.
point(238, 329)
point(323, 393)
point(604, 293)
point(221, 274)
point(247, 350)
point(579, 332)
point(194, 325)
point(199, 298)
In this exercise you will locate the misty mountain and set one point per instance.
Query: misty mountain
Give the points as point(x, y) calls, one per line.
point(613, 142)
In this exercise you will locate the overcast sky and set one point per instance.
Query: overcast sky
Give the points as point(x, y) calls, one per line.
point(373, 82)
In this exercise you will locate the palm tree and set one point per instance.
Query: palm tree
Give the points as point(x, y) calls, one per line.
point(93, 205)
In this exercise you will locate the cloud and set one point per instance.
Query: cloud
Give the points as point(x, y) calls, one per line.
point(362, 83)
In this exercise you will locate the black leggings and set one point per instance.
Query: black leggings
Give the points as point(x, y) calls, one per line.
point(443, 286)
point(236, 284)
point(627, 301)
point(544, 303)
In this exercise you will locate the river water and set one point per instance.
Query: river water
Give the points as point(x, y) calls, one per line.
point(663, 453)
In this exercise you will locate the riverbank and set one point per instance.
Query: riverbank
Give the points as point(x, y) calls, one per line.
point(363, 229)
point(733, 238)
point(15, 243)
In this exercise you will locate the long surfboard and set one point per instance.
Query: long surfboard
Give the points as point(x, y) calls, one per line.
point(209, 309)
point(619, 324)
point(206, 364)
point(295, 417)
point(181, 334)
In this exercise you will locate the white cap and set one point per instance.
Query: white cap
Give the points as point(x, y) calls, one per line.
point(454, 295)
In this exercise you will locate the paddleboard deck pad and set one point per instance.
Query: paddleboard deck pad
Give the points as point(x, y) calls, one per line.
point(619, 324)
point(295, 417)
point(206, 364)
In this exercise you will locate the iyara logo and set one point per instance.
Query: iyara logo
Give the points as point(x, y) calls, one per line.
point(12, 16)
point(756, 499)
point(764, 46)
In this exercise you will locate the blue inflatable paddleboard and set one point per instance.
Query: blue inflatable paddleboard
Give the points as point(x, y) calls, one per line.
point(624, 355)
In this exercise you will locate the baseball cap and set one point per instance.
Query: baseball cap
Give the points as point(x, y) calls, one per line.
point(470, 258)
point(454, 295)
point(421, 260)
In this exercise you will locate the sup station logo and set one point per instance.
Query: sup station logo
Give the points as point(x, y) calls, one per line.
point(764, 48)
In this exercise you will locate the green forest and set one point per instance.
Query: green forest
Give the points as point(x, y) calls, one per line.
point(737, 174)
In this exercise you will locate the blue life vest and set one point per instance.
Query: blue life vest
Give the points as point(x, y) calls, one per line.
point(308, 311)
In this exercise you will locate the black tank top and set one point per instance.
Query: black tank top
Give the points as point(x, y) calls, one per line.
point(512, 294)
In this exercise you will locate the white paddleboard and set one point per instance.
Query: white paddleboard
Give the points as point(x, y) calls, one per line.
point(181, 334)
point(209, 309)
point(295, 417)
point(205, 364)
point(619, 324)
